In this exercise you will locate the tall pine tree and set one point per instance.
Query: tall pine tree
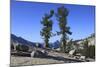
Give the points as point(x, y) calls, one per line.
point(46, 31)
point(61, 15)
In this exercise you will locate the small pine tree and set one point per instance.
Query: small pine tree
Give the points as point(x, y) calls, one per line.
point(91, 51)
point(85, 50)
point(69, 46)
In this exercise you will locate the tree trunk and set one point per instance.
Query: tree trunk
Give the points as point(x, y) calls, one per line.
point(46, 43)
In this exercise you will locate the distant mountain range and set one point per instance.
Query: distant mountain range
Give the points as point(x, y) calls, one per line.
point(19, 40)
point(15, 40)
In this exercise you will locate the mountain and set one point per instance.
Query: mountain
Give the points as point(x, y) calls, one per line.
point(19, 40)
point(91, 39)
point(54, 45)
point(15, 40)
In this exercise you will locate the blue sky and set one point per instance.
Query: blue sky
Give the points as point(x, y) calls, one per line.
point(26, 17)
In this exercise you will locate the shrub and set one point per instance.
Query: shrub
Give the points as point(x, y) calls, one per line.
point(22, 48)
point(18, 48)
point(12, 47)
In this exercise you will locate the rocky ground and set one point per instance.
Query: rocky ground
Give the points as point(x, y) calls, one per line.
point(19, 61)
point(52, 58)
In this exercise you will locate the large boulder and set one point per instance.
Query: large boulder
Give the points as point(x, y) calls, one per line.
point(71, 53)
point(32, 53)
point(39, 54)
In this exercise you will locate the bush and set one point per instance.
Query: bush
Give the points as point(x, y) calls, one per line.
point(18, 48)
point(12, 47)
point(22, 48)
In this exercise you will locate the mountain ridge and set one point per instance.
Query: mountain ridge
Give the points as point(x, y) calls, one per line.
point(19, 40)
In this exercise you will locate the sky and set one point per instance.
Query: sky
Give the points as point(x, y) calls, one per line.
point(26, 17)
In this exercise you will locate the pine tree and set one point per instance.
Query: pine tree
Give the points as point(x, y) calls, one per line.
point(46, 31)
point(86, 47)
point(61, 15)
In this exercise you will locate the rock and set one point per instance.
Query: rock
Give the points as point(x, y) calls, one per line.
point(71, 52)
point(39, 54)
point(32, 54)
point(76, 57)
point(82, 57)
point(45, 52)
